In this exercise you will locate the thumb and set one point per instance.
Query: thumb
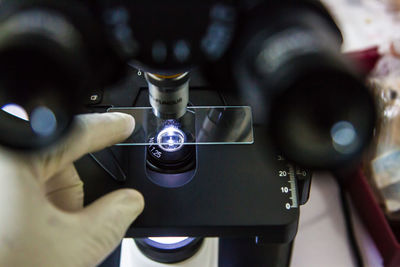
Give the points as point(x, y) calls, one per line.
point(104, 223)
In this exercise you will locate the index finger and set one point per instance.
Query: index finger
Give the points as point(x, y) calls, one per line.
point(91, 132)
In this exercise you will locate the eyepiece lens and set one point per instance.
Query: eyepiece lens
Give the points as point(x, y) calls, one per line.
point(43, 121)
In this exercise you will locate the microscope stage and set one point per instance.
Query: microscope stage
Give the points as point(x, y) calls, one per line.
point(237, 190)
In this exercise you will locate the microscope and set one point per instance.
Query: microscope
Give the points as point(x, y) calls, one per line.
point(235, 102)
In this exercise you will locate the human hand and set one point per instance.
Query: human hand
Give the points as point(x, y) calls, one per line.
point(42, 219)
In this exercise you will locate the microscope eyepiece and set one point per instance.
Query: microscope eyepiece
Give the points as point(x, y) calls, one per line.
point(40, 65)
point(49, 57)
point(290, 68)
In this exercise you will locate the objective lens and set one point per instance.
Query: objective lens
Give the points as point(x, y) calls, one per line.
point(168, 151)
point(171, 139)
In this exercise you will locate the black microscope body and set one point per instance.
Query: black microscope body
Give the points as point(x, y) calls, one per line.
point(281, 58)
point(240, 193)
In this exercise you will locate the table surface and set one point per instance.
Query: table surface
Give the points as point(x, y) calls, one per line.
point(322, 239)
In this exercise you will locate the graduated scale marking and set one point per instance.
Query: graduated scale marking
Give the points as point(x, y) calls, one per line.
point(291, 188)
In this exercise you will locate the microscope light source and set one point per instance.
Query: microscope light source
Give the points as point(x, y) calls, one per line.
point(171, 139)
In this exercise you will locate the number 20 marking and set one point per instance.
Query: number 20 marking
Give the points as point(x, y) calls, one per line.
point(282, 173)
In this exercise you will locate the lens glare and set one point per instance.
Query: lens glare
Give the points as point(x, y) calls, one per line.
point(16, 110)
point(344, 137)
point(43, 121)
point(171, 139)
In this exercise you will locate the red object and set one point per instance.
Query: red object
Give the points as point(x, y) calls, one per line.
point(365, 59)
point(374, 219)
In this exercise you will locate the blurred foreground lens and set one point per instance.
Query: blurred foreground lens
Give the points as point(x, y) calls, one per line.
point(320, 113)
point(325, 121)
point(41, 67)
point(32, 129)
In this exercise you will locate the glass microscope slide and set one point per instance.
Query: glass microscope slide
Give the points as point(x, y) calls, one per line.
point(205, 125)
